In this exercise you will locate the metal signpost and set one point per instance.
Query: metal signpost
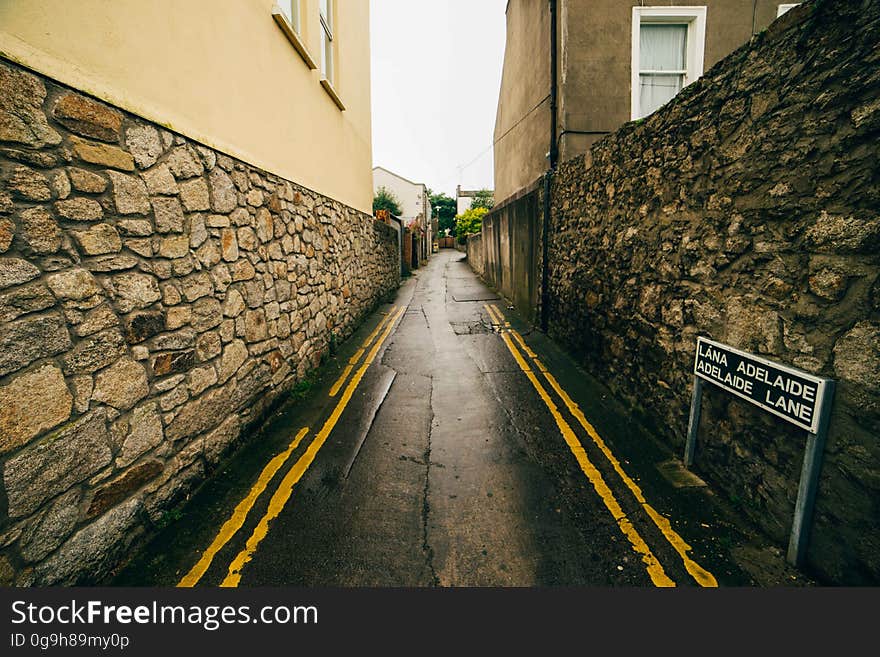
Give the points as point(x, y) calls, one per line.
point(796, 396)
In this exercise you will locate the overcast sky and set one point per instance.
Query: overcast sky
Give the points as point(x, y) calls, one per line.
point(436, 75)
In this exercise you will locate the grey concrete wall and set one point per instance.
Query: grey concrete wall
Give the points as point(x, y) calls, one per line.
point(507, 253)
point(156, 297)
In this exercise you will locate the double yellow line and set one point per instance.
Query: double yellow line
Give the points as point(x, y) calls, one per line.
point(654, 568)
point(285, 489)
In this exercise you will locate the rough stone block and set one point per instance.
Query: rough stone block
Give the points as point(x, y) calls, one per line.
point(86, 181)
point(121, 385)
point(28, 185)
point(24, 299)
point(200, 379)
point(103, 154)
point(142, 325)
point(98, 239)
point(91, 552)
point(38, 541)
point(73, 284)
point(857, 355)
point(145, 433)
point(242, 270)
point(169, 214)
point(122, 487)
point(144, 143)
point(218, 442)
point(95, 320)
point(40, 231)
point(7, 229)
point(159, 180)
point(132, 290)
point(88, 117)
point(176, 246)
point(31, 404)
point(194, 195)
point(58, 461)
point(30, 338)
point(199, 415)
point(21, 114)
point(197, 286)
point(234, 304)
point(94, 353)
point(79, 209)
point(224, 197)
point(229, 245)
point(208, 345)
point(177, 316)
point(234, 355)
point(206, 314)
point(170, 363)
point(198, 232)
point(129, 194)
point(247, 238)
point(14, 271)
point(183, 163)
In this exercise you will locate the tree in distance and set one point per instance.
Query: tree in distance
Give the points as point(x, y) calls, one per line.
point(445, 207)
point(386, 200)
point(484, 198)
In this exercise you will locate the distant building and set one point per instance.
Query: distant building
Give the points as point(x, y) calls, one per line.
point(415, 206)
point(617, 60)
point(464, 198)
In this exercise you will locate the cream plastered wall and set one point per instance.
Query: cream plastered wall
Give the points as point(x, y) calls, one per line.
point(219, 71)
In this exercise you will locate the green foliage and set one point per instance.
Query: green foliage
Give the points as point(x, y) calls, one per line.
point(386, 200)
point(470, 221)
point(484, 198)
point(445, 207)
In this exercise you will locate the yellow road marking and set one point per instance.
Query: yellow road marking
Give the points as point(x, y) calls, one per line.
point(655, 569)
point(496, 315)
point(701, 575)
point(360, 352)
point(285, 489)
point(235, 522)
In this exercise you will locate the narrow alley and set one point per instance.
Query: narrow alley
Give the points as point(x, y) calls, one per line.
point(439, 450)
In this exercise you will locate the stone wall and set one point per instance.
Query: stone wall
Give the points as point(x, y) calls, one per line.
point(745, 210)
point(156, 296)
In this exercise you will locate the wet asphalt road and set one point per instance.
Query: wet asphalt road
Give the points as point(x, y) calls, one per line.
point(446, 467)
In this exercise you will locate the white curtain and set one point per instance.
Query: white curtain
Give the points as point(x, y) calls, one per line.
point(661, 48)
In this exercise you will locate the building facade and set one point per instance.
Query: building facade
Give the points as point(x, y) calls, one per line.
point(185, 232)
point(415, 205)
point(616, 62)
point(258, 80)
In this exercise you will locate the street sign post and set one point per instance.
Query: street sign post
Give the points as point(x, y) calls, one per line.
point(797, 397)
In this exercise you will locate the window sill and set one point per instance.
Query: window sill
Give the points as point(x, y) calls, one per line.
point(332, 93)
point(293, 37)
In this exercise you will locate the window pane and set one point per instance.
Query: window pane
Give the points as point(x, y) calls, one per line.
point(662, 47)
point(326, 56)
point(657, 90)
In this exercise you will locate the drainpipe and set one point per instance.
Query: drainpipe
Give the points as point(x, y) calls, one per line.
point(548, 177)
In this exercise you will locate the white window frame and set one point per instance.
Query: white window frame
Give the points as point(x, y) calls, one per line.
point(329, 69)
point(290, 22)
point(328, 58)
point(694, 18)
point(781, 9)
